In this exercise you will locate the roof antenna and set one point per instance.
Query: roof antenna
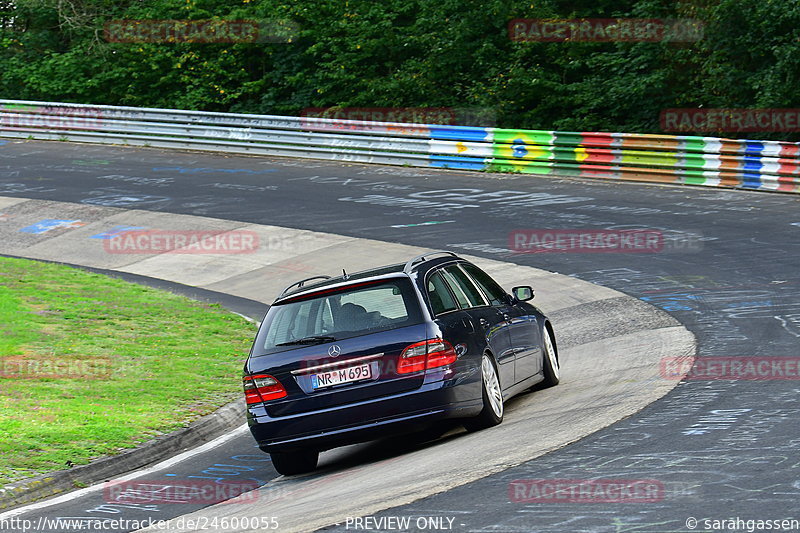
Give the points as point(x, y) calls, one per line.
point(345, 275)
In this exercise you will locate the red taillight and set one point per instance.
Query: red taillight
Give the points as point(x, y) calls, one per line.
point(431, 353)
point(262, 388)
point(413, 358)
point(440, 353)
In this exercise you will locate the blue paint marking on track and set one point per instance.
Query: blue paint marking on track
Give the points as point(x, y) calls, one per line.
point(673, 301)
point(116, 231)
point(43, 226)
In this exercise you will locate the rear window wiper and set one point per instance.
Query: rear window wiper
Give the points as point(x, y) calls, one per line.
point(314, 339)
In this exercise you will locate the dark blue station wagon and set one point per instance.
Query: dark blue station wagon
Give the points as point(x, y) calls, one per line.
point(390, 350)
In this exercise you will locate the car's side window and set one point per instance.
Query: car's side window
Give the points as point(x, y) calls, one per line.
point(439, 296)
point(466, 291)
point(493, 291)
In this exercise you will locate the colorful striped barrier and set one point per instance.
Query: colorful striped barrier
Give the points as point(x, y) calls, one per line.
point(708, 161)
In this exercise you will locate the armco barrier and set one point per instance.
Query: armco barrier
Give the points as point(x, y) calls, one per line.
point(710, 161)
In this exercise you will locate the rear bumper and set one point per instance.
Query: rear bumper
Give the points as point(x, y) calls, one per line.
point(367, 420)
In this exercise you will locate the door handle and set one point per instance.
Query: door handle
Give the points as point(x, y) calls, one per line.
point(484, 322)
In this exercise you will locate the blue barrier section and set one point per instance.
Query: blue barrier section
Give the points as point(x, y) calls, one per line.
point(464, 163)
point(459, 133)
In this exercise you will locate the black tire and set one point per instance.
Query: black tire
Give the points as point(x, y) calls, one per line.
point(291, 463)
point(492, 412)
point(550, 365)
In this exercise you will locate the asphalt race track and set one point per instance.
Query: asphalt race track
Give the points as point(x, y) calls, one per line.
point(125, 491)
point(720, 449)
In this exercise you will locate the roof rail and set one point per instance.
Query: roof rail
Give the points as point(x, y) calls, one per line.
point(300, 283)
point(409, 265)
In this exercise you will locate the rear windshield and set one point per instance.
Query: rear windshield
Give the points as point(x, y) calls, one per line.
point(335, 314)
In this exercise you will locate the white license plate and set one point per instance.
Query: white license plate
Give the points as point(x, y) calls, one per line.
point(342, 375)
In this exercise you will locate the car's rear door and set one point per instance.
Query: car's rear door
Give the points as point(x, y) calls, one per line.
point(488, 321)
point(455, 325)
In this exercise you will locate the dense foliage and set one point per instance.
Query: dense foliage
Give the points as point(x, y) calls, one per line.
point(418, 53)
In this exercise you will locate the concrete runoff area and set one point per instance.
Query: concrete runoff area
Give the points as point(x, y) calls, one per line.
point(602, 382)
point(611, 348)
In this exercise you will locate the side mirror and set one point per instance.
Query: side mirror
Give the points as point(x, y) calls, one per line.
point(523, 293)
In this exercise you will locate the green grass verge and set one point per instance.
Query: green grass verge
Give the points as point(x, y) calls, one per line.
point(91, 365)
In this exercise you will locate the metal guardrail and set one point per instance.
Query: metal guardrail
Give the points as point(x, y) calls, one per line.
point(710, 161)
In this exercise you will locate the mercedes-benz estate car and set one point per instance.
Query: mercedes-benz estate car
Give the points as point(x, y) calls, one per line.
point(390, 350)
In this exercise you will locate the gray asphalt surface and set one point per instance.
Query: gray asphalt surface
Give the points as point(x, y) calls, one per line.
point(719, 449)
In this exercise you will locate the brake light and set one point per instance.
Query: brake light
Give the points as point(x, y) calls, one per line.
point(262, 388)
point(440, 353)
point(413, 358)
point(424, 355)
